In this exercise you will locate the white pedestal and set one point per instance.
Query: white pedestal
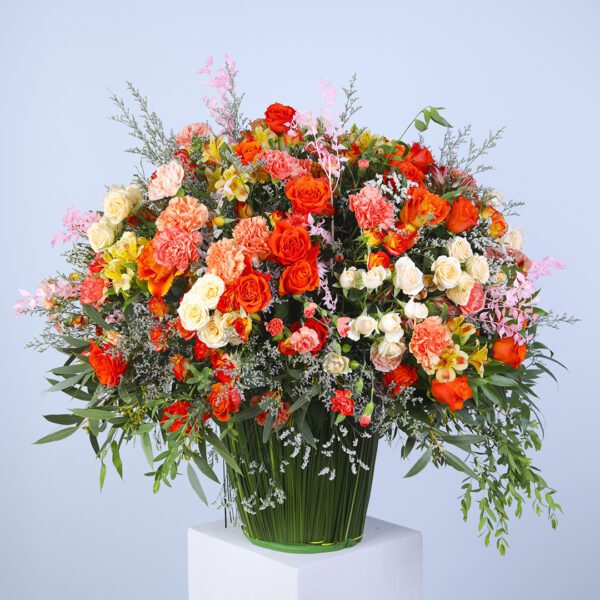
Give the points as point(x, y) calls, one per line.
point(224, 565)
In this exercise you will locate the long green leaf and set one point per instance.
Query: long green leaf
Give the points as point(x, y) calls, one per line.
point(220, 447)
point(61, 434)
point(196, 485)
point(66, 383)
point(147, 448)
point(94, 316)
point(421, 463)
point(63, 419)
point(96, 414)
point(205, 468)
point(458, 464)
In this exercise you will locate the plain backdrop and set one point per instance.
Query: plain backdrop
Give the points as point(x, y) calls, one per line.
point(530, 66)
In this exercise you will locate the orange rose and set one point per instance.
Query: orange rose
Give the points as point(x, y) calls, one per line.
point(288, 243)
point(247, 150)
point(401, 377)
point(463, 215)
point(506, 350)
point(372, 237)
point(278, 117)
point(309, 195)
point(108, 364)
point(224, 400)
point(452, 393)
point(159, 278)
point(424, 208)
point(498, 226)
point(378, 259)
point(414, 164)
point(303, 276)
point(398, 242)
point(252, 291)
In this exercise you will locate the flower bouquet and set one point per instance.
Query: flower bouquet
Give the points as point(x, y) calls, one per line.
point(280, 294)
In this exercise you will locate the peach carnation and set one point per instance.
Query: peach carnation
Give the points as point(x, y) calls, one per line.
point(304, 340)
point(183, 212)
point(252, 236)
point(280, 165)
point(166, 181)
point(371, 209)
point(225, 259)
point(93, 290)
point(429, 339)
point(176, 249)
point(187, 133)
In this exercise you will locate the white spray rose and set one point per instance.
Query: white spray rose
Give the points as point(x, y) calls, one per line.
point(207, 290)
point(461, 292)
point(193, 315)
point(101, 235)
point(116, 204)
point(415, 310)
point(336, 364)
point(349, 278)
point(391, 326)
point(446, 272)
point(407, 276)
point(478, 268)
point(514, 239)
point(213, 333)
point(374, 278)
point(361, 326)
point(460, 249)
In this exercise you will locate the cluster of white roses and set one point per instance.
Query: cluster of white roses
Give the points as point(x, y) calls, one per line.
point(217, 329)
point(118, 203)
point(448, 273)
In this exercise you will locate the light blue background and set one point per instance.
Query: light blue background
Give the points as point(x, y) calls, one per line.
point(532, 66)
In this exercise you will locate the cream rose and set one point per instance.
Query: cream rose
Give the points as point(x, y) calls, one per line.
point(101, 235)
point(193, 315)
point(391, 349)
point(461, 292)
point(207, 290)
point(336, 364)
point(116, 204)
point(514, 239)
point(213, 333)
point(415, 310)
point(407, 276)
point(361, 326)
point(391, 326)
point(478, 267)
point(349, 278)
point(446, 272)
point(374, 278)
point(460, 249)
point(135, 195)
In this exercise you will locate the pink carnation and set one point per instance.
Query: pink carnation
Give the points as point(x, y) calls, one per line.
point(183, 212)
point(225, 259)
point(280, 165)
point(310, 309)
point(176, 249)
point(187, 133)
point(363, 163)
point(429, 339)
point(93, 290)
point(274, 326)
point(476, 300)
point(371, 209)
point(343, 326)
point(166, 181)
point(304, 340)
point(252, 236)
point(384, 363)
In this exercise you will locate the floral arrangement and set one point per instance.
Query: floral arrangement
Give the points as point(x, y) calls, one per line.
point(293, 275)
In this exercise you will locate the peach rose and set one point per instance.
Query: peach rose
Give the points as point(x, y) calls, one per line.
point(166, 181)
point(304, 340)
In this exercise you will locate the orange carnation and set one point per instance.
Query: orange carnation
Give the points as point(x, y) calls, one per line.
point(452, 393)
point(463, 215)
point(424, 208)
point(309, 195)
point(303, 276)
point(159, 278)
point(506, 350)
point(289, 243)
point(247, 150)
point(402, 376)
point(108, 363)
